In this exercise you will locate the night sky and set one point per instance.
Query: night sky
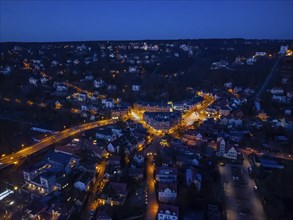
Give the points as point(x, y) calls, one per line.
point(137, 20)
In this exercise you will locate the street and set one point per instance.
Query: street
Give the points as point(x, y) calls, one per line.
point(242, 201)
point(284, 156)
point(15, 158)
point(152, 203)
point(92, 203)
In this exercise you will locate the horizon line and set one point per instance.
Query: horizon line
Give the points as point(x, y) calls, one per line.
point(178, 39)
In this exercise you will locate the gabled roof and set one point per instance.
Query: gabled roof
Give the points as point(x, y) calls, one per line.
point(171, 186)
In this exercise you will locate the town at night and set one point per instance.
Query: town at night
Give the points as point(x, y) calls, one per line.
point(155, 110)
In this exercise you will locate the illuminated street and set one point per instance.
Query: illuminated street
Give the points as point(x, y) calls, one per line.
point(152, 203)
point(96, 187)
point(197, 113)
point(284, 156)
point(15, 158)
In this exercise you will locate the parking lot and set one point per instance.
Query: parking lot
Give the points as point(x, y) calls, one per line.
point(241, 196)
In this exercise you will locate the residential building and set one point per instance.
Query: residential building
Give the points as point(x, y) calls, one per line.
point(168, 212)
point(84, 181)
point(162, 120)
point(42, 178)
point(152, 107)
point(231, 153)
point(118, 113)
point(167, 192)
point(166, 174)
point(221, 147)
point(105, 134)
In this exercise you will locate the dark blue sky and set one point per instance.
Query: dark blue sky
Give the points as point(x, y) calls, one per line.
point(58, 20)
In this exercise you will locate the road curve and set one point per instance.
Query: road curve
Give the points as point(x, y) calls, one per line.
point(16, 157)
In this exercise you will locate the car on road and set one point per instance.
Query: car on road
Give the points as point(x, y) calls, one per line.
point(221, 164)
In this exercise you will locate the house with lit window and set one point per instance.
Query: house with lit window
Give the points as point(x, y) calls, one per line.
point(226, 150)
point(162, 120)
point(152, 106)
point(119, 112)
point(48, 175)
point(108, 103)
